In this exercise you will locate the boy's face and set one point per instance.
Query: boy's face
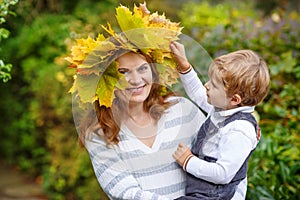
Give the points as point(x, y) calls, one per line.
point(215, 91)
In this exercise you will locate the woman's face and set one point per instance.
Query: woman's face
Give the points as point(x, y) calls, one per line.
point(138, 74)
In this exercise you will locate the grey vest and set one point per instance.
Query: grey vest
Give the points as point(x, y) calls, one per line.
point(200, 189)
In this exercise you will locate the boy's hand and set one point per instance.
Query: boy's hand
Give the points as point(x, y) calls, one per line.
point(179, 56)
point(181, 154)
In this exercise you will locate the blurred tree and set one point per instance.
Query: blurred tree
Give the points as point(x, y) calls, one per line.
point(36, 108)
point(4, 34)
point(37, 128)
point(281, 6)
point(169, 7)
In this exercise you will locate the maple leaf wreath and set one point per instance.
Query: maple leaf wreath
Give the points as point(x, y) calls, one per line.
point(97, 73)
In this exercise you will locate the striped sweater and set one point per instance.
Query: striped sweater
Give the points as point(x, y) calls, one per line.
point(132, 170)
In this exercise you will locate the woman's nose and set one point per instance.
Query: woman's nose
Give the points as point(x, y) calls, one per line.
point(134, 78)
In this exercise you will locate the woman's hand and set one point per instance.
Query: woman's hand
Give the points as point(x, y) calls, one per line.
point(179, 56)
point(182, 155)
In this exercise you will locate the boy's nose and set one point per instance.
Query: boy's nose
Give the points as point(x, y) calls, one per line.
point(206, 86)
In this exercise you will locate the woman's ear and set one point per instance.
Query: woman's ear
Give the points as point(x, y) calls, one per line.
point(236, 100)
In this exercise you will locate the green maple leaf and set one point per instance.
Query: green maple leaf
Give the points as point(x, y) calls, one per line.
point(143, 38)
point(92, 87)
point(109, 80)
point(96, 61)
point(85, 86)
point(167, 72)
point(127, 20)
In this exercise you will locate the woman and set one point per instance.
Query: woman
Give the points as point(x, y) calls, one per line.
point(133, 160)
point(136, 124)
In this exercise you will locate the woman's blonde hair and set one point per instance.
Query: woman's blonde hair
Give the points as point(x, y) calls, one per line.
point(244, 73)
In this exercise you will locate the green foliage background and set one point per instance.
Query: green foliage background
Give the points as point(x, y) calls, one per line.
point(4, 34)
point(37, 129)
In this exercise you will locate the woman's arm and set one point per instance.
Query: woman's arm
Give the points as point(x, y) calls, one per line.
point(112, 173)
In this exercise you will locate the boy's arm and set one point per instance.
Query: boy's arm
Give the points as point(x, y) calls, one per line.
point(190, 80)
point(182, 155)
point(180, 57)
point(234, 148)
point(183, 65)
point(195, 90)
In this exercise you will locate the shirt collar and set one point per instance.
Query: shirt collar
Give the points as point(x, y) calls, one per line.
point(219, 116)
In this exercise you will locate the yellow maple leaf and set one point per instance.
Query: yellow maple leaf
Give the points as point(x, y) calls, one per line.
point(100, 38)
point(107, 84)
point(127, 20)
point(86, 87)
point(97, 74)
point(108, 29)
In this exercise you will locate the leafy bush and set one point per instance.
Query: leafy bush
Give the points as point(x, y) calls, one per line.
point(275, 165)
point(39, 133)
point(4, 34)
point(37, 128)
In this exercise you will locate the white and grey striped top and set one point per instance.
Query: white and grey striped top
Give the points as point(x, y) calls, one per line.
point(132, 170)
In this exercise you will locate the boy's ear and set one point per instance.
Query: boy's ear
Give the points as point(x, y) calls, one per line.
point(236, 100)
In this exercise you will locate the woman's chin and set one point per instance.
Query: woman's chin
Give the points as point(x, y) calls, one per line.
point(140, 97)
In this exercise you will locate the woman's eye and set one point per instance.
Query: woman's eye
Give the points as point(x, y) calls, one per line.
point(143, 68)
point(122, 71)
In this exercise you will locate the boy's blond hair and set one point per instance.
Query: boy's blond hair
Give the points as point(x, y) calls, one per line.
point(244, 73)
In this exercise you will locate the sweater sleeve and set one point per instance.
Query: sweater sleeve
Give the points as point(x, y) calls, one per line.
point(113, 174)
point(195, 90)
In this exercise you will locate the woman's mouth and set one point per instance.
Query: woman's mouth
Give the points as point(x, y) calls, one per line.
point(136, 90)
